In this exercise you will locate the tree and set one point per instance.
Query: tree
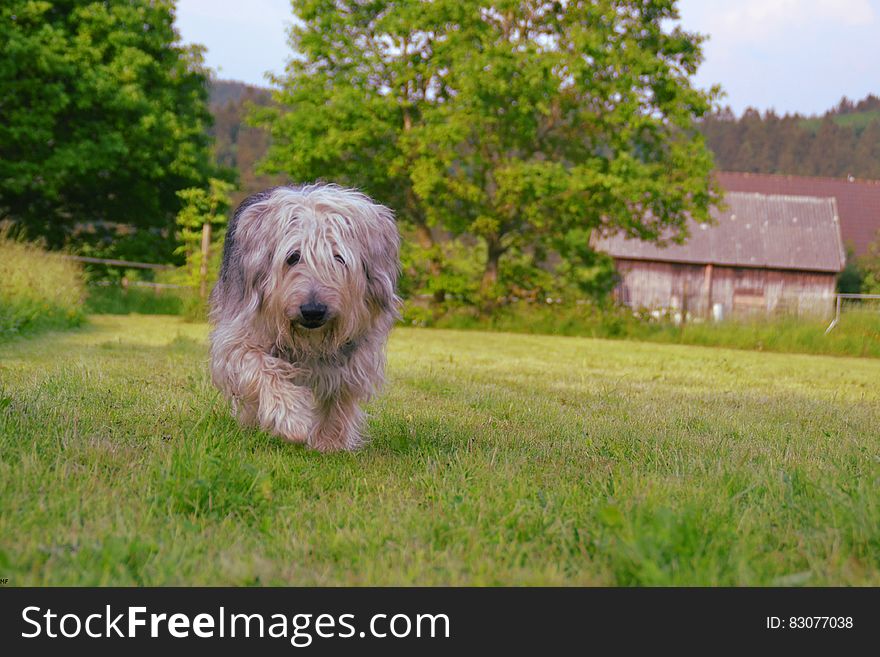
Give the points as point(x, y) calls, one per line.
point(866, 157)
point(849, 281)
point(202, 212)
point(524, 125)
point(830, 148)
point(103, 115)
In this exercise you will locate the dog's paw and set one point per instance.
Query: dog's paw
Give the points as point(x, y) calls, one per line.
point(288, 411)
point(338, 432)
point(324, 441)
point(245, 413)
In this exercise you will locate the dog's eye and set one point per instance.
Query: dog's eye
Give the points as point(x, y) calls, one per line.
point(293, 258)
point(339, 259)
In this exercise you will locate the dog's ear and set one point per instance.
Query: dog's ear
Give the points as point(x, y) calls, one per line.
point(382, 261)
point(253, 249)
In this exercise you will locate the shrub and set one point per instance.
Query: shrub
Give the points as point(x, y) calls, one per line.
point(38, 290)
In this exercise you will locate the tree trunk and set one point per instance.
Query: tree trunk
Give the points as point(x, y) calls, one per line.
point(426, 241)
point(490, 273)
point(494, 251)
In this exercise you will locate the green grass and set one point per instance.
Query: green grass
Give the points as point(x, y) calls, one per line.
point(495, 459)
point(858, 333)
point(113, 300)
point(37, 291)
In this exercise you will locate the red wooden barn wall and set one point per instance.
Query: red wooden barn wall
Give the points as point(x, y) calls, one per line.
point(741, 291)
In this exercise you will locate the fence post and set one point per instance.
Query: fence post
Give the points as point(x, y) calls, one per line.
point(203, 270)
point(684, 303)
point(707, 281)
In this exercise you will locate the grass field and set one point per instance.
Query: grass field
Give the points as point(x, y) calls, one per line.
point(496, 459)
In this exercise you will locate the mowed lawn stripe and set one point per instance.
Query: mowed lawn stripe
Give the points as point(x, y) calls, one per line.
point(495, 459)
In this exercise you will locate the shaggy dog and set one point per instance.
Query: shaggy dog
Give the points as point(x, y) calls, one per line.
point(302, 311)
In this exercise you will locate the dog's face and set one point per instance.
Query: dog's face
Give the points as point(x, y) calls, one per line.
point(320, 288)
point(322, 262)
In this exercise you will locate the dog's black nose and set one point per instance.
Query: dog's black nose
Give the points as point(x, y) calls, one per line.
point(313, 314)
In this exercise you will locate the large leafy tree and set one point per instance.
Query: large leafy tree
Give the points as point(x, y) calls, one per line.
point(522, 124)
point(103, 115)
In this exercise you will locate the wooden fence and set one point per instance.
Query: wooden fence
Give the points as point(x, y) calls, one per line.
point(129, 264)
point(117, 263)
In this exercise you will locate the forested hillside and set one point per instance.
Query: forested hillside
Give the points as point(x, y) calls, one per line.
point(845, 141)
point(237, 145)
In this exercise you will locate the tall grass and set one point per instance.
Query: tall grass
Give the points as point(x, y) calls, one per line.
point(858, 333)
point(37, 290)
point(113, 300)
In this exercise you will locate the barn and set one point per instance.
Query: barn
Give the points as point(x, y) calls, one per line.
point(762, 255)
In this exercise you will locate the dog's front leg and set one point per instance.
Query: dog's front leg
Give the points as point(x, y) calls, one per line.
point(263, 389)
point(284, 408)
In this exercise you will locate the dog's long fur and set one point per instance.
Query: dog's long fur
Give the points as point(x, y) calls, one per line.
point(305, 384)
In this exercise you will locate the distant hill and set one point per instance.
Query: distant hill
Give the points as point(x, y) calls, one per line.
point(223, 92)
point(849, 115)
point(237, 145)
point(845, 141)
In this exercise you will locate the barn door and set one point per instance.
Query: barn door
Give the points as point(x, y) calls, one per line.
point(749, 292)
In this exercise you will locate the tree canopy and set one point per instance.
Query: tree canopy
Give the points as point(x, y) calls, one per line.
point(103, 115)
point(521, 126)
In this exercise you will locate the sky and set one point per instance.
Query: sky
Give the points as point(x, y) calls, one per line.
point(787, 55)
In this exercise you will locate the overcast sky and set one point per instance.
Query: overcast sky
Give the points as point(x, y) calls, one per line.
point(789, 55)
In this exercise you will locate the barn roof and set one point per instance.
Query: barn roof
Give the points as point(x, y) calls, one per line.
point(753, 230)
point(858, 201)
